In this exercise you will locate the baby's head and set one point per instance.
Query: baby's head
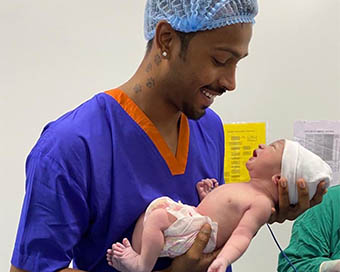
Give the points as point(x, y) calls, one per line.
point(266, 161)
point(298, 162)
point(291, 160)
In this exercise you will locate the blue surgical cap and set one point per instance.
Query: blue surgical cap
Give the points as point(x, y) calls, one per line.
point(197, 15)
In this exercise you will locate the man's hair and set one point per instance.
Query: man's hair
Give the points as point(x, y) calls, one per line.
point(185, 39)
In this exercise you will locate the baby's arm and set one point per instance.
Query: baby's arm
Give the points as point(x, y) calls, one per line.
point(205, 186)
point(253, 218)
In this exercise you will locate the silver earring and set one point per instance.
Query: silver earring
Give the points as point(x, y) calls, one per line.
point(164, 54)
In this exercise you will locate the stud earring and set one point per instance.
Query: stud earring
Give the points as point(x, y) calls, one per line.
point(164, 54)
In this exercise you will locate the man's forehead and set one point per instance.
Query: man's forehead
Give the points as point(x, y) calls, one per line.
point(234, 39)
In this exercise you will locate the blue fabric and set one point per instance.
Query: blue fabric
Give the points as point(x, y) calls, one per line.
point(89, 177)
point(197, 15)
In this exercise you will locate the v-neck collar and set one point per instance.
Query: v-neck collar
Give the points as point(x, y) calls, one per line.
point(176, 164)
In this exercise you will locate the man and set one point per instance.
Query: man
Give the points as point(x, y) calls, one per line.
point(95, 169)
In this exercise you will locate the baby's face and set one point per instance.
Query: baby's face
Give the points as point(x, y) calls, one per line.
point(266, 160)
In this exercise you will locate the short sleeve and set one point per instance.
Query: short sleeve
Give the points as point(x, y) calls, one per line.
point(54, 216)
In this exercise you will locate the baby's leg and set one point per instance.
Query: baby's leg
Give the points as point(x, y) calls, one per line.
point(124, 258)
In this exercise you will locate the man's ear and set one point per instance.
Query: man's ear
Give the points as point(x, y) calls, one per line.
point(165, 36)
point(276, 178)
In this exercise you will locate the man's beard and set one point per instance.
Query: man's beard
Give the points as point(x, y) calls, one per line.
point(191, 113)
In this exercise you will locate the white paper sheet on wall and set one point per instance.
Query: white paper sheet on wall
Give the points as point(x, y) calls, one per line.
point(322, 138)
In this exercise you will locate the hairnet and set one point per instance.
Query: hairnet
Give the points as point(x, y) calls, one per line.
point(197, 15)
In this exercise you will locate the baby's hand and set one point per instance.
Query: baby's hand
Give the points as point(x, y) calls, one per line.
point(205, 186)
point(218, 265)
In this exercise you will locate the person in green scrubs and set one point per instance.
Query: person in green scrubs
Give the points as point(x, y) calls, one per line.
point(315, 241)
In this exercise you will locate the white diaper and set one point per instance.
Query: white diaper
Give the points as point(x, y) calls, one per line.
point(181, 234)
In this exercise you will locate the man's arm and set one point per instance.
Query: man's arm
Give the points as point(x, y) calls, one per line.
point(51, 204)
point(285, 210)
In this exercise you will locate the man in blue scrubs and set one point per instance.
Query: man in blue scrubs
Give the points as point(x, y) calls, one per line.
point(95, 169)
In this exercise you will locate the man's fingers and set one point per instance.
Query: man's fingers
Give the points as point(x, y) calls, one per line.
point(213, 255)
point(283, 201)
point(287, 211)
point(208, 258)
point(200, 242)
point(320, 191)
point(283, 194)
point(303, 194)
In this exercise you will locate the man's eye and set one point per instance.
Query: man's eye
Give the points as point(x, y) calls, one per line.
point(219, 63)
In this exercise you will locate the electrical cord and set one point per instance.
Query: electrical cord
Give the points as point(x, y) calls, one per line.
point(278, 245)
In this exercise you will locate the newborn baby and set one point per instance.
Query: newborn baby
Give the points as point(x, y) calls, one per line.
point(235, 211)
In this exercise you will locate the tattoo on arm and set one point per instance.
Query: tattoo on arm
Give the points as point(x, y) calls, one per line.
point(158, 59)
point(137, 88)
point(149, 68)
point(150, 83)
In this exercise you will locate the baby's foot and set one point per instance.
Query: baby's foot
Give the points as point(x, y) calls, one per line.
point(123, 257)
point(205, 186)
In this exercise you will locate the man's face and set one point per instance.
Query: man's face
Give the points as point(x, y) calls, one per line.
point(266, 160)
point(207, 69)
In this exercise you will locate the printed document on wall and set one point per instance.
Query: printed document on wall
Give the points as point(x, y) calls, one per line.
point(322, 138)
point(240, 141)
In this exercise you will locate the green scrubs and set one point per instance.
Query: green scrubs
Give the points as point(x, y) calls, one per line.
point(315, 236)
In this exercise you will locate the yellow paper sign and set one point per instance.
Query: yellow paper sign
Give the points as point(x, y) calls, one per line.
point(240, 141)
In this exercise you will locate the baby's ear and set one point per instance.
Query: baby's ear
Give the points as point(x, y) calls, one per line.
point(276, 178)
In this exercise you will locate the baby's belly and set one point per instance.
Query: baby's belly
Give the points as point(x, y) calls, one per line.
point(227, 222)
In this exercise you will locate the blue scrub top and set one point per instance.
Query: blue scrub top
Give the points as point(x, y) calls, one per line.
point(94, 171)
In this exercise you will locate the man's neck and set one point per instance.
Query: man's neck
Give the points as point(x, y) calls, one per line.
point(146, 90)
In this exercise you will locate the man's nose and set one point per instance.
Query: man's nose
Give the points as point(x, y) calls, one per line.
point(228, 79)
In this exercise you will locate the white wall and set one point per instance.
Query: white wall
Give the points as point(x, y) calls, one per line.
point(56, 54)
point(292, 73)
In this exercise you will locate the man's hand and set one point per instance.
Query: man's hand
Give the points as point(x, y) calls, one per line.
point(285, 210)
point(194, 259)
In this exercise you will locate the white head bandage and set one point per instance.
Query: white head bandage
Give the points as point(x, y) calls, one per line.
point(299, 162)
